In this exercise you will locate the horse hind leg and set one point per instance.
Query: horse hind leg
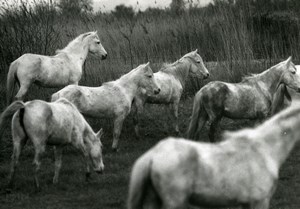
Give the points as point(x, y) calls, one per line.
point(24, 86)
point(19, 140)
point(58, 156)
point(39, 149)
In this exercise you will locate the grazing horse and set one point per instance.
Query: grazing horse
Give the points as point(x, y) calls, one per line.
point(171, 80)
point(250, 99)
point(52, 71)
point(242, 170)
point(112, 99)
point(58, 123)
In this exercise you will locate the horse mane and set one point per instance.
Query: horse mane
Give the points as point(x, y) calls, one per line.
point(175, 70)
point(74, 42)
point(255, 77)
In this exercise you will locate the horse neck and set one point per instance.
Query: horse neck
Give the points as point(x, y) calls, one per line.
point(180, 70)
point(77, 52)
point(270, 79)
point(88, 135)
point(279, 139)
point(129, 82)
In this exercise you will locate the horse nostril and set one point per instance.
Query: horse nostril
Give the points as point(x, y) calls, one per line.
point(99, 171)
point(104, 56)
point(157, 91)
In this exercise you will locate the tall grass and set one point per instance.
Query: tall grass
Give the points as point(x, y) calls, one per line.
point(232, 35)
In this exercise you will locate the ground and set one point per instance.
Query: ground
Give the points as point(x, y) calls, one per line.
point(110, 189)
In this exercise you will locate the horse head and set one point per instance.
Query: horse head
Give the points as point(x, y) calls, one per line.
point(290, 76)
point(197, 68)
point(94, 44)
point(146, 80)
point(95, 151)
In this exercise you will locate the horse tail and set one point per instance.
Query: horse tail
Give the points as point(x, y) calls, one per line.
point(11, 81)
point(139, 181)
point(8, 113)
point(198, 118)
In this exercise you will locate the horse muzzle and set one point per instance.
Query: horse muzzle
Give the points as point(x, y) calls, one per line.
point(156, 91)
point(206, 76)
point(104, 56)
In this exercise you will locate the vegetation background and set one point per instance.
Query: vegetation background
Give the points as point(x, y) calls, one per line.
point(234, 37)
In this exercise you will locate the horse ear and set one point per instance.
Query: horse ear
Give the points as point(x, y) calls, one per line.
point(196, 51)
point(148, 63)
point(288, 61)
point(85, 35)
point(100, 133)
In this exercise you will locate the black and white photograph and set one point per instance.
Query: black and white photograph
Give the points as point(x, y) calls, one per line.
point(149, 104)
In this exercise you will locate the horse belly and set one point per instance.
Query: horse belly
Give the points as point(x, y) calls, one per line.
point(58, 140)
point(166, 95)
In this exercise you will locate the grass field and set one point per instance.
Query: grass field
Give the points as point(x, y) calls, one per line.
point(109, 190)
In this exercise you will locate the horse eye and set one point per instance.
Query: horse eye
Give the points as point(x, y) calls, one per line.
point(97, 42)
point(293, 72)
point(198, 61)
point(149, 76)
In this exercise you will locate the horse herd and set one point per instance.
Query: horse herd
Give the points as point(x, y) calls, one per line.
point(241, 170)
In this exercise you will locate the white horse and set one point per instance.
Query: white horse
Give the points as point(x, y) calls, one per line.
point(52, 71)
point(171, 80)
point(58, 124)
point(112, 99)
point(285, 96)
point(239, 171)
point(250, 99)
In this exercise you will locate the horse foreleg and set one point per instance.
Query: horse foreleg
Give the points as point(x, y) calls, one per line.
point(118, 123)
point(19, 141)
point(263, 204)
point(175, 113)
point(137, 111)
point(213, 129)
point(57, 156)
point(86, 158)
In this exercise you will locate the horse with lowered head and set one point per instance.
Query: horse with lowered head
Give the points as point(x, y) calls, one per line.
point(112, 99)
point(58, 123)
point(242, 170)
point(250, 99)
point(52, 71)
point(171, 79)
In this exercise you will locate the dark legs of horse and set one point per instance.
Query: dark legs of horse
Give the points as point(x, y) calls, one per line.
point(175, 113)
point(213, 129)
point(85, 153)
point(15, 159)
point(57, 156)
point(137, 110)
point(39, 150)
point(263, 204)
point(118, 123)
point(19, 141)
